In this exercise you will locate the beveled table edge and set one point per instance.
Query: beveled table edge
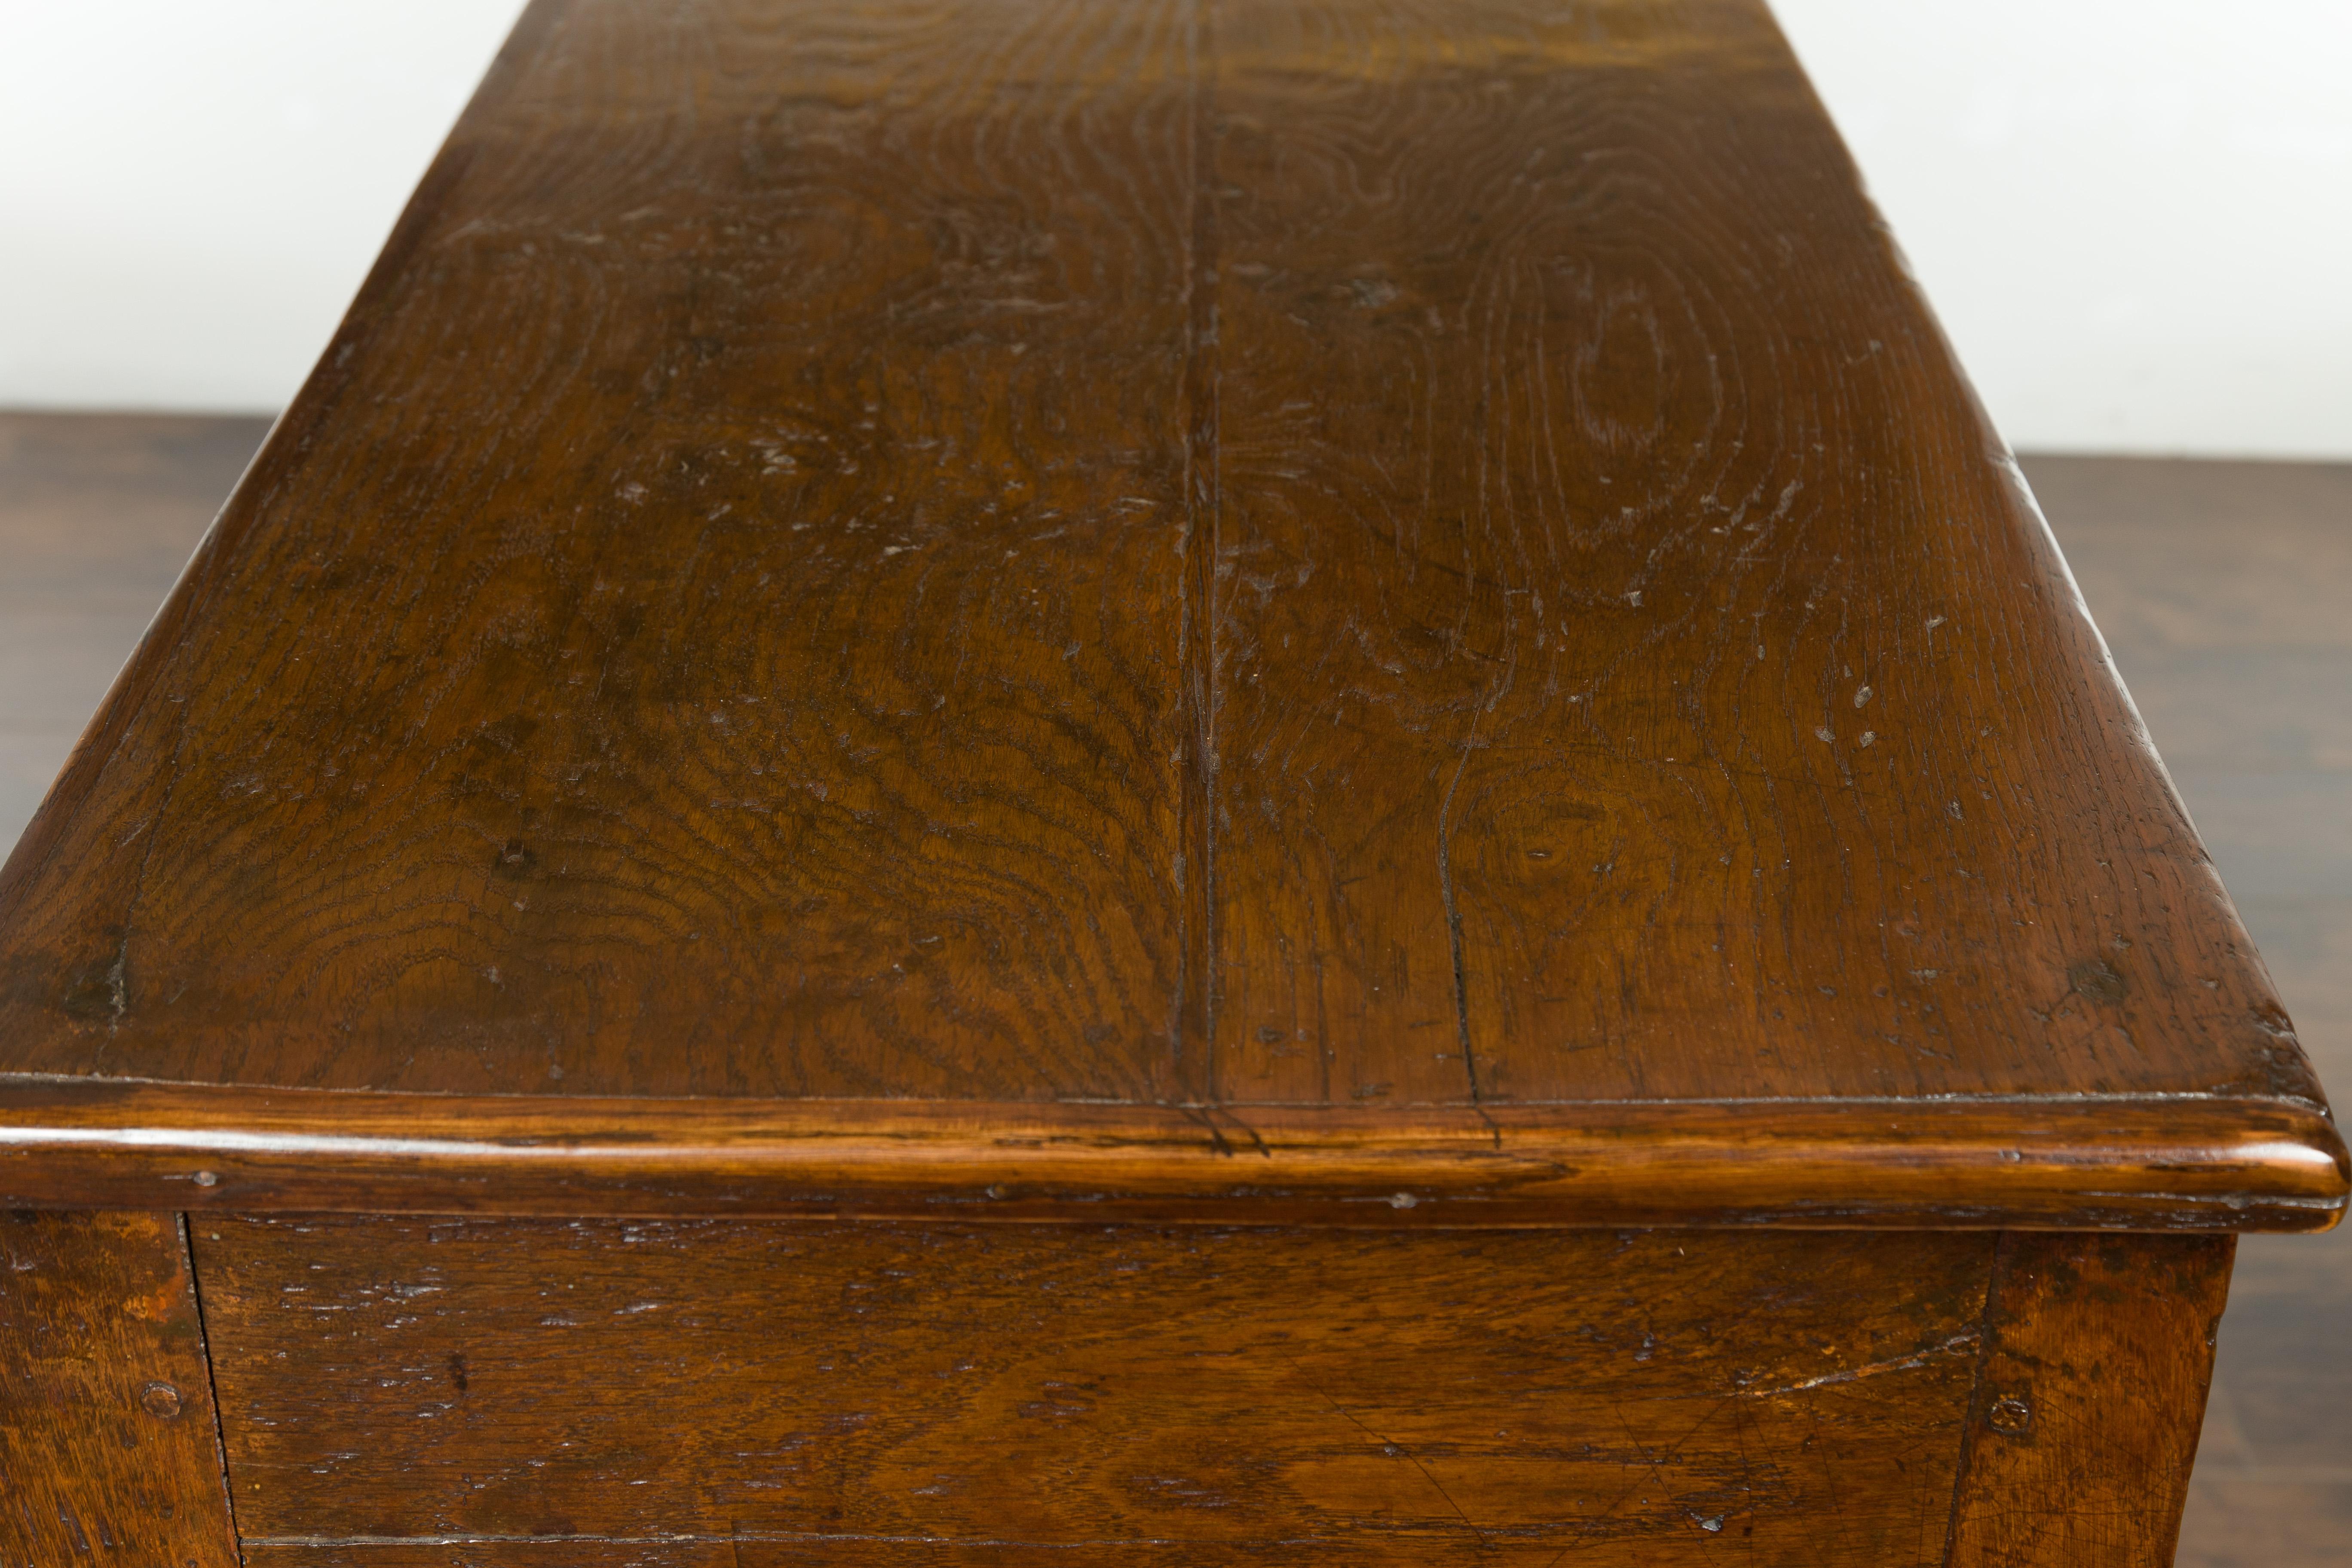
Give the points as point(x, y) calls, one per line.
point(2127, 1162)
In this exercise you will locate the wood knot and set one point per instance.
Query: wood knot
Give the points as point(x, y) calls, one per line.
point(2097, 980)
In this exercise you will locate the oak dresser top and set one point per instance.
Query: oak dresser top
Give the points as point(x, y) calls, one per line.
point(1193, 607)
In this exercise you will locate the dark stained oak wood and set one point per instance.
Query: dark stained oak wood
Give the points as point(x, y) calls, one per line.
point(2180, 624)
point(1252, 567)
point(1180, 1396)
point(964, 348)
point(1369, 655)
point(1636, 631)
point(1096, 1394)
point(108, 1452)
point(1889, 1164)
point(2098, 1354)
point(730, 1553)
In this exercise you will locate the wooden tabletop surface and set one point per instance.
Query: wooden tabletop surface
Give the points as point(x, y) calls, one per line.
point(1396, 610)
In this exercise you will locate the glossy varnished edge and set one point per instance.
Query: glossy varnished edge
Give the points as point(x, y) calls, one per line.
point(2174, 1162)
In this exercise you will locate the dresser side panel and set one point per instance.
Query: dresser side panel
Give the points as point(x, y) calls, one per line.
point(107, 1445)
point(2099, 1350)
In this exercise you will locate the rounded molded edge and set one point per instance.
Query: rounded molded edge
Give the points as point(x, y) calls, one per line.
point(2179, 1162)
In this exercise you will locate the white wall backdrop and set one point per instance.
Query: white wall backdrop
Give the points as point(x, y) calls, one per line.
point(2135, 215)
point(191, 190)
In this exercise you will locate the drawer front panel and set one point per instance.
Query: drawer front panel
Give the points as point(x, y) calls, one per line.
point(524, 1391)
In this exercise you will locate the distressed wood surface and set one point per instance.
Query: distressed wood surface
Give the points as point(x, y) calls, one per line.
point(108, 1452)
point(1267, 558)
point(2098, 1354)
point(2267, 1470)
point(843, 1393)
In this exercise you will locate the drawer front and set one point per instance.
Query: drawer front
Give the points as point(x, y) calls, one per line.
point(397, 1392)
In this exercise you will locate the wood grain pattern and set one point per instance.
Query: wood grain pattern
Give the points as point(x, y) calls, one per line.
point(846, 1392)
point(1636, 639)
point(108, 1454)
point(2098, 1354)
point(2267, 1478)
point(2119, 1164)
point(894, 790)
point(1254, 559)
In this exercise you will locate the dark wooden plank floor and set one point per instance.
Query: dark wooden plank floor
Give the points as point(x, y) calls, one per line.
point(98, 513)
point(2219, 586)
